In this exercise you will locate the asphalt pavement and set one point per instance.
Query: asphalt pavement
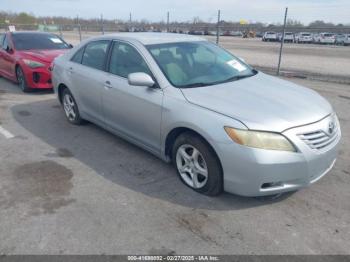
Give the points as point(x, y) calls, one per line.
point(80, 190)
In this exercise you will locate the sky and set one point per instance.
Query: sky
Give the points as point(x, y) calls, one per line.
point(267, 11)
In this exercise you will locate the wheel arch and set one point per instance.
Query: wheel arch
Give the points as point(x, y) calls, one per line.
point(17, 65)
point(60, 89)
point(176, 132)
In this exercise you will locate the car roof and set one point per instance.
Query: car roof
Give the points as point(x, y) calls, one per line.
point(152, 38)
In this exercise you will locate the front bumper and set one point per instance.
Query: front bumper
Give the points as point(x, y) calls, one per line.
point(259, 172)
point(38, 77)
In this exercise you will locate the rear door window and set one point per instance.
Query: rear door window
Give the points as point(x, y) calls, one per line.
point(95, 54)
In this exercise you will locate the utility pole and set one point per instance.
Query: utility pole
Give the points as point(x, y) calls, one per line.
point(167, 22)
point(79, 28)
point(218, 27)
point(282, 41)
point(130, 23)
point(102, 25)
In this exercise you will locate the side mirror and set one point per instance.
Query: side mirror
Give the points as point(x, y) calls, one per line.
point(70, 46)
point(140, 79)
point(9, 49)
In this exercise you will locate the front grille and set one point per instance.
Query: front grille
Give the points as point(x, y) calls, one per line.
point(320, 139)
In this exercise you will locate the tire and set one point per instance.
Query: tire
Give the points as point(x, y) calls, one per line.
point(197, 164)
point(70, 108)
point(21, 79)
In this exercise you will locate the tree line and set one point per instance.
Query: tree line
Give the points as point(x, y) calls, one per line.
point(30, 19)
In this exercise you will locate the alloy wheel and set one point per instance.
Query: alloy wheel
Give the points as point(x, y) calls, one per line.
point(191, 166)
point(20, 79)
point(69, 107)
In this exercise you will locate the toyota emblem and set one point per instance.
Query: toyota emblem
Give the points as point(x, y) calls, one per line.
point(331, 127)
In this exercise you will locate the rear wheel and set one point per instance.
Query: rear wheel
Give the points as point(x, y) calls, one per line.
point(21, 79)
point(70, 108)
point(197, 164)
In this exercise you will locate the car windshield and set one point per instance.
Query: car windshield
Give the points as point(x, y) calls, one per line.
point(37, 41)
point(195, 64)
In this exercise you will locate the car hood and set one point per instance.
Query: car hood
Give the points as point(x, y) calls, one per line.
point(262, 102)
point(46, 56)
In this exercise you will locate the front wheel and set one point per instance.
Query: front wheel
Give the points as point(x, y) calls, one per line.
point(197, 164)
point(21, 79)
point(71, 108)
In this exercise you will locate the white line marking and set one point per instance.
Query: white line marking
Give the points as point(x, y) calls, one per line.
point(6, 133)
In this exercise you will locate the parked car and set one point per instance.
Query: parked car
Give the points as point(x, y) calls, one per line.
point(288, 37)
point(196, 32)
point(324, 38)
point(25, 57)
point(342, 39)
point(224, 125)
point(269, 37)
point(212, 32)
point(259, 34)
point(303, 37)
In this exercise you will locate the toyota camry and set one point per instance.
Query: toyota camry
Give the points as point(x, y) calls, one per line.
point(224, 125)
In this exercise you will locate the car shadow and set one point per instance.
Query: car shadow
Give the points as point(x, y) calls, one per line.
point(119, 161)
point(10, 87)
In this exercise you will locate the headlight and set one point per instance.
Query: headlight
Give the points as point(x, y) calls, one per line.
point(264, 140)
point(33, 64)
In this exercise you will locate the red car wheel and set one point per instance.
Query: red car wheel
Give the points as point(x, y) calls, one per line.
point(21, 79)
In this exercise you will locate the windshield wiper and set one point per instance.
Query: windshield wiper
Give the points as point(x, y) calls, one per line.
point(200, 84)
point(239, 77)
point(234, 78)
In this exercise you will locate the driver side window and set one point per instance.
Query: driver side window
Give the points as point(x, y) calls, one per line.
point(125, 60)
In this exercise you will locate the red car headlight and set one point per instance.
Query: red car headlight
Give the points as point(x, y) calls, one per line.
point(33, 64)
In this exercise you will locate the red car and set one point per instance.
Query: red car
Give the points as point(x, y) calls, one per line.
point(25, 57)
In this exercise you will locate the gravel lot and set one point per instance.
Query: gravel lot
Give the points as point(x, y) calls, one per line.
point(79, 190)
point(316, 59)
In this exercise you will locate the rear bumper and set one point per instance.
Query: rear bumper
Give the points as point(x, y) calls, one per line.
point(39, 78)
point(258, 172)
point(327, 41)
point(305, 40)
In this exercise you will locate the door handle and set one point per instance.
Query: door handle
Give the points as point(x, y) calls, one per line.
point(108, 84)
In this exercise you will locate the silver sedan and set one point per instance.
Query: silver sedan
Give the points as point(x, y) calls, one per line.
point(224, 125)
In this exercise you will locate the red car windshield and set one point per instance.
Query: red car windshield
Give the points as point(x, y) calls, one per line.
point(38, 41)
